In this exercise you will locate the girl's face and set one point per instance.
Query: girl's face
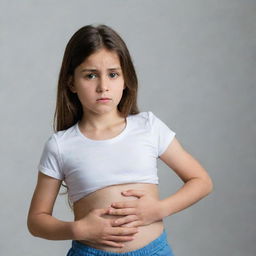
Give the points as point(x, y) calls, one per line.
point(99, 76)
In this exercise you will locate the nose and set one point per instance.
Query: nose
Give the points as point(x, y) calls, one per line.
point(102, 84)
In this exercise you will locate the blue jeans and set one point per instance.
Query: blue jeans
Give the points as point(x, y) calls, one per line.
point(158, 247)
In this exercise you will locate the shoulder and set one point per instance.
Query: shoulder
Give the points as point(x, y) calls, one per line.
point(63, 135)
point(55, 140)
point(148, 118)
point(140, 119)
point(144, 115)
point(50, 146)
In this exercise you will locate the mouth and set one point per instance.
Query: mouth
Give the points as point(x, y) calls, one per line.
point(103, 99)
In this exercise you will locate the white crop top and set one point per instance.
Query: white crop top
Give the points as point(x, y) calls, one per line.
point(87, 165)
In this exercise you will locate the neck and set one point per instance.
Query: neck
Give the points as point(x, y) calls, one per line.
point(92, 121)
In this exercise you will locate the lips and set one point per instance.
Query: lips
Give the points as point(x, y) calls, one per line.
point(104, 99)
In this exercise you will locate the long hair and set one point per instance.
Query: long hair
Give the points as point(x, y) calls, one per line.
point(86, 41)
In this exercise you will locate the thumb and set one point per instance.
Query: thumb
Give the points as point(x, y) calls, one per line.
point(134, 192)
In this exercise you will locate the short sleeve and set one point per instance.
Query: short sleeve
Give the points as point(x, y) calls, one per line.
point(162, 134)
point(50, 163)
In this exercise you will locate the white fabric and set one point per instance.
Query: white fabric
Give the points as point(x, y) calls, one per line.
point(87, 165)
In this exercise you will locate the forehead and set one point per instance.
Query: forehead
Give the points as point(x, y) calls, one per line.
point(102, 57)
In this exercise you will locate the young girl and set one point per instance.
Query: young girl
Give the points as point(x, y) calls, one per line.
point(106, 151)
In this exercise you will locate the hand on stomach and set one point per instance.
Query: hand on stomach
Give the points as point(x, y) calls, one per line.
point(96, 225)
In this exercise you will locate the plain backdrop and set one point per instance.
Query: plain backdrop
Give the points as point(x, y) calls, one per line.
point(195, 61)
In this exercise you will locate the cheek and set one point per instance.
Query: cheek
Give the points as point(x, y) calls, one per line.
point(85, 94)
point(119, 92)
point(84, 88)
point(119, 87)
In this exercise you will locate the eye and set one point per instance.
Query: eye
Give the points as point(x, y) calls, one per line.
point(89, 76)
point(116, 74)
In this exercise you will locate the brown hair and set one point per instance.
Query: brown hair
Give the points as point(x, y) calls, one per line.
point(86, 41)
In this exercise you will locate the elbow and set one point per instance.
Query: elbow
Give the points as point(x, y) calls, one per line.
point(33, 233)
point(31, 227)
point(209, 186)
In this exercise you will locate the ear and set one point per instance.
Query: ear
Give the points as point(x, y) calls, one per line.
point(71, 84)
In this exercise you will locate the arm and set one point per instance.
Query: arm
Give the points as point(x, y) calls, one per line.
point(92, 227)
point(40, 221)
point(197, 185)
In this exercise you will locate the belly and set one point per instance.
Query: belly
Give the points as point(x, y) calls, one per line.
point(104, 197)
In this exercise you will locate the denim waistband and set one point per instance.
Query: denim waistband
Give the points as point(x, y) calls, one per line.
point(147, 250)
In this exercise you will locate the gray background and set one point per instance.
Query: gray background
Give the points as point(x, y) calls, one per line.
point(195, 62)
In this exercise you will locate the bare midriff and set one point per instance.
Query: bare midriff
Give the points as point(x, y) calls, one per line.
point(103, 198)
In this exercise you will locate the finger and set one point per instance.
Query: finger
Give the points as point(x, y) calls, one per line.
point(125, 211)
point(113, 244)
point(122, 231)
point(133, 224)
point(101, 211)
point(124, 220)
point(121, 238)
point(127, 204)
point(134, 192)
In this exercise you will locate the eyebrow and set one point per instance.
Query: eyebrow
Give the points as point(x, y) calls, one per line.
point(93, 69)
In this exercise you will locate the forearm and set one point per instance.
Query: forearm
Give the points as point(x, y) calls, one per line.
point(48, 227)
point(191, 192)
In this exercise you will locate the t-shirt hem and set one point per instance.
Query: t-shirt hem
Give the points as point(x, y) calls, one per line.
point(84, 193)
point(49, 172)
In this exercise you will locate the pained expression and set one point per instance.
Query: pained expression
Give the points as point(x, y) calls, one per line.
point(100, 75)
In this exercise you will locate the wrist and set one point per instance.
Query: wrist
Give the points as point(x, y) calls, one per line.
point(163, 211)
point(74, 230)
point(77, 230)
